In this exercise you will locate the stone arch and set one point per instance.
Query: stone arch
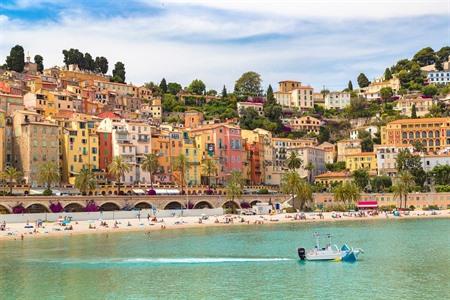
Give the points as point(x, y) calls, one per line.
point(202, 205)
point(254, 202)
point(143, 205)
point(74, 207)
point(36, 208)
point(174, 205)
point(109, 206)
point(4, 210)
point(233, 205)
point(103, 193)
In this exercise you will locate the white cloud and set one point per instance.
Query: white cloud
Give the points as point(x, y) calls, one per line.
point(182, 43)
point(338, 9)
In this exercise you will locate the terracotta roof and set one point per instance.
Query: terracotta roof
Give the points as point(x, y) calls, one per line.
point(109, 114)
point(421, 121)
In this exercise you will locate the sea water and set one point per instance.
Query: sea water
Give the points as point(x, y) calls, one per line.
point(403, 259)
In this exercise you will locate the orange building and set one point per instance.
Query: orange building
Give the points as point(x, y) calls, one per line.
point(433, 133)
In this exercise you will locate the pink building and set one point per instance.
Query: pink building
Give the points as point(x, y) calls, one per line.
point(222, 143)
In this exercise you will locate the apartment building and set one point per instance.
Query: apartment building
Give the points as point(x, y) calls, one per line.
point(292, 94)
point(337, 100)
point(433, 133)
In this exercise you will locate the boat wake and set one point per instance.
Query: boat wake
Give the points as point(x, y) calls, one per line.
point(167, 261)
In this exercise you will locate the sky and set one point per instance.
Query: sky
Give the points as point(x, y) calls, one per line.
point(323, 43)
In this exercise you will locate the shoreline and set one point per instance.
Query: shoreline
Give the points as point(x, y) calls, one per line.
point(17, 231)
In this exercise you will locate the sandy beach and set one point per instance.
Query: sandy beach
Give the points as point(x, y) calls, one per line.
point(19, 231)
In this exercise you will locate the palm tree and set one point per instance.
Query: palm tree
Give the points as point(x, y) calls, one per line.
point(234, 185)
point(151, 165)
point(117, 168)
point(85, 181)
point(181, 164)
point(309, 167)
point(209, 168)
point(12, 175)
point(294, 162)
point(289, 184)
point(300, 191)
point(48, 174)
point(348, 193)
point(405, 181)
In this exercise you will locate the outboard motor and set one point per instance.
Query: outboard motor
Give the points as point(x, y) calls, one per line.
point(301, 253)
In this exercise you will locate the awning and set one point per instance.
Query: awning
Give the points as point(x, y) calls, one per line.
point(367, 204)
point(167, 191)
point(36, 191)
point(139, 191)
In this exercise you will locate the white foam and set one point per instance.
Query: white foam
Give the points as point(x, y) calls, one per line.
point(200, 260)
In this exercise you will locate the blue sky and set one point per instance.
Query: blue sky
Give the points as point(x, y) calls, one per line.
point(321, 42)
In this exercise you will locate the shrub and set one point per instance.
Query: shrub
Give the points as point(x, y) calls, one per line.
point(387, 207)
point(442, 188)
point(263, 191)
point(431, 207)
point(47, 192)
point(412, 207)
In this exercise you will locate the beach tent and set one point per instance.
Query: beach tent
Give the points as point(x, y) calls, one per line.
point(167, 191)
point(139, 191)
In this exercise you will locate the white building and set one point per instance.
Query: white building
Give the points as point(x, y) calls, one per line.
point(430, 161)
point(439, 77)
point(386, 156)
point(337, 100)
point(310, 155)
point(259, 107)
point(372, 129)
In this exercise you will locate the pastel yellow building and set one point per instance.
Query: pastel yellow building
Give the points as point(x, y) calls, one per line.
point(2, 140)
point(362, 160)
point(79, 146)
point(194, 158)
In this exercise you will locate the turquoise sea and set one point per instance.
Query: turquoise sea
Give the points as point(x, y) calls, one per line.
point(405, 259)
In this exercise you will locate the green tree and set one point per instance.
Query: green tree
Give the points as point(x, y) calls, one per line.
point(150, 164)
point(248, 85)
point(234, 186)
point(224, 92)
point(174, 88)
point(324, 134)
point(425, 57)
point(118, 73)
point(404, 184)
point(180, 164)
point(406, 161)
point(89, 63)
point(197, 87)
point(209, 167)
point(418, 146)
point(363, 81)
point(299, 190)
point(101, 65)
point(414, 112)
point(272, 110)
point(39, 61)
point(15, 61)
point(335, 167)
point(361, 178)
point(269, 94)
point(381, 183)
point(163, 85)
point(441, 174)
point(12, 175)
point(73, 57)
point(117, 168)
point(310, 167)
point(350, 85)
point(430, 90)
point(438, 65)
point(48, 174)
point(387, 74)
point(85, 181)
point(347, 193)
point(293, 162)
point(386, 93)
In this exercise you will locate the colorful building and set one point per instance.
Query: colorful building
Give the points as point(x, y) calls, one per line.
point(363, 160)
point(433, 133)
point(35, 142)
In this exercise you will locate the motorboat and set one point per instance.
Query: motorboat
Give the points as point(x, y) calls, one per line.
point(330, 252)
